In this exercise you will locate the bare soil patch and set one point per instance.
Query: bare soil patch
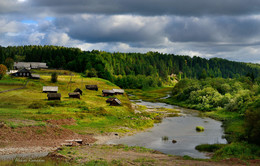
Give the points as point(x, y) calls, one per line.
point(30, 137)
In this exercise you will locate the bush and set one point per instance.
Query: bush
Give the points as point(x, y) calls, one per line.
point(199, 128)
point(209, 147)
point(54, 77)
point(3, 69)
point(238, 150)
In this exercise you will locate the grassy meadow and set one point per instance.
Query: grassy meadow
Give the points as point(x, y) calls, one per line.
point(29, 106)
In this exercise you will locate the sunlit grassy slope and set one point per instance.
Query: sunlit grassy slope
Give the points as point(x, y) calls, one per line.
point(91, 112)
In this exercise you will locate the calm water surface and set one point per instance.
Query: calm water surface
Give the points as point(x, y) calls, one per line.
point(181, 129)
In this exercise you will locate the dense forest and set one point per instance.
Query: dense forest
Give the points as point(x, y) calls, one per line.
point(130, 70)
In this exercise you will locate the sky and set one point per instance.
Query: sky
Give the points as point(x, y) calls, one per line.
point(227, 29)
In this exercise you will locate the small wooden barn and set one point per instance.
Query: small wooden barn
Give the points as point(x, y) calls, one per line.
point(115, 102)
point(92, 87)
point(119, 91)
point(78, 90)
point(110, 100)
point(108, 92)
point(49, 89)
point(74, 95)
point(54, 96)
point(22, 73)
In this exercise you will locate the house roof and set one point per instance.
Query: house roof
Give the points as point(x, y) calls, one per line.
point(108, 91)
point(22, 64)
point(24, 70)
point(110, 100)
point(77, 89)
point(117, 101)
point(30, 65)
point(118, 90)
point(50, 88)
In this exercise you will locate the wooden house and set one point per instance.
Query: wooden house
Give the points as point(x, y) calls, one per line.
point(115, 102)
point(22, 73)
point(49, 89)
point(119, 91)
point(74, 95)
point(108, 92)
point(78, 90)
point(92, 87)
point(54, 96)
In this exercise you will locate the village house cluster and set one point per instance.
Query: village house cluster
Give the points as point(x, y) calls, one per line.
point(52, 93)
point(22, 69)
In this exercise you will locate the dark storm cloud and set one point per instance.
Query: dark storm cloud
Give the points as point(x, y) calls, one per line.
point(151, 7)
point(95, 29)
point(213, 29)
point(222, 28)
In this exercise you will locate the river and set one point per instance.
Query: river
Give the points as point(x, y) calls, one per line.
point(180, 129)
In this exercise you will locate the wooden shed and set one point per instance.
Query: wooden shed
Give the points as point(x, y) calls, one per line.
point(78, 90)
point(115, 102)
point(74, 95)
point(22, 73)
point(108, 92)
point(49, 89)
point(92, 87)
point(110, 100)
point(54, 96)
point(119, 91)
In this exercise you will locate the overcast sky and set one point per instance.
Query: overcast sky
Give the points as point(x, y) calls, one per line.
point(207, 28)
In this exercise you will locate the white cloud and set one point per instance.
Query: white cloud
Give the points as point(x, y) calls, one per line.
point(36, 38)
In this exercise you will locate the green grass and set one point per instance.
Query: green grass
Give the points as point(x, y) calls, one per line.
point(240, 150)
point(91, 112)
point(150, 94)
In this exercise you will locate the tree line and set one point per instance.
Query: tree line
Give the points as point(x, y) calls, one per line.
point(127, 69)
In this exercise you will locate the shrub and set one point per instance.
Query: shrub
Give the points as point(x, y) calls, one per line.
point(199, 128)
point(238, 150)
point(209, 147)
point(3, 69)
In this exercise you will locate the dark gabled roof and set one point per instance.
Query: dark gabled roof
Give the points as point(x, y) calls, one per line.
point(108, 91)
point(110, 100)
point(77, 90)
point(24, 70)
